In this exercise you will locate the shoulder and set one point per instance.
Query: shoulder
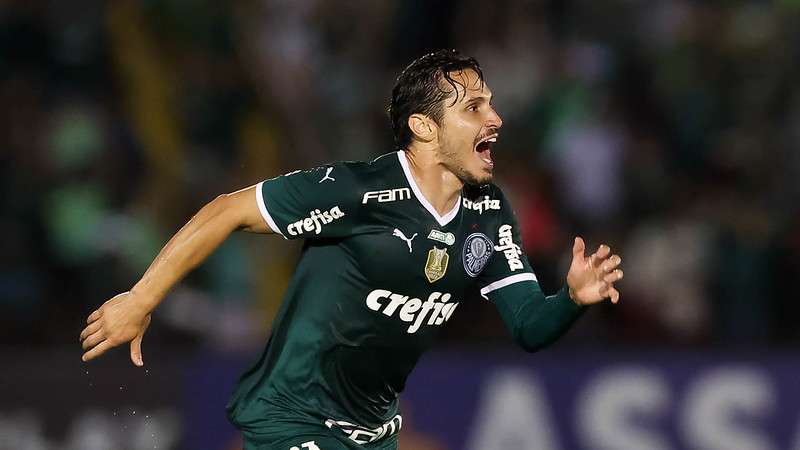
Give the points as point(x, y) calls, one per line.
point(337, 175)
point(350, 182)
point(362, 172)
point(380, 181)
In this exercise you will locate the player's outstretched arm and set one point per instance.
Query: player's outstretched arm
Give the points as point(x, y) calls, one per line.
point(536, 321)
point(125, 317)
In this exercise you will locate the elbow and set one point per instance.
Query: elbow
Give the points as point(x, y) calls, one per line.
point(530, 347)
point(239, 211)
point(220, 212)
point(220, 202)
point(533, 342)
point(223, 205)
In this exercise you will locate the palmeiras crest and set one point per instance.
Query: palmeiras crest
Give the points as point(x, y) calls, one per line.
point(477, 251)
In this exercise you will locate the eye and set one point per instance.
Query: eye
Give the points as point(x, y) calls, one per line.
point(472, 108)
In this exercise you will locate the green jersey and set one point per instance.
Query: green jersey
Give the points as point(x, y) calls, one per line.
point(381, 272)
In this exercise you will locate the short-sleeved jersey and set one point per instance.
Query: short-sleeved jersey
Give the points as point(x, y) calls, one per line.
point(381, 272)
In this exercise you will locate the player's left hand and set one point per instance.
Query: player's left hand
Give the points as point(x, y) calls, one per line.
point(591, 279)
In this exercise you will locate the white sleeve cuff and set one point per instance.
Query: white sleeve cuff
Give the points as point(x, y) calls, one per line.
point(499, 284)
point(264, 213)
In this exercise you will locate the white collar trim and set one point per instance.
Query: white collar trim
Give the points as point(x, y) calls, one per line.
point(442, 220)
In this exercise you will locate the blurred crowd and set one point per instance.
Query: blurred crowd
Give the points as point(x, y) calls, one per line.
point(667, 129)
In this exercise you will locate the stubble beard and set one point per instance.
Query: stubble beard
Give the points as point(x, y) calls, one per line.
point(456, 165)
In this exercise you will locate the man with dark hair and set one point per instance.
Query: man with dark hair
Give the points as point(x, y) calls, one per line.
point(392, 248)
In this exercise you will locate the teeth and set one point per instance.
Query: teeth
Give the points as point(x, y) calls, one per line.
point(492, 138)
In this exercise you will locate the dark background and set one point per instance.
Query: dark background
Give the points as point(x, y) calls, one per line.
point(667, 129)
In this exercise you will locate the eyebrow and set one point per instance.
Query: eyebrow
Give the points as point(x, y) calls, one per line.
point(479, 98)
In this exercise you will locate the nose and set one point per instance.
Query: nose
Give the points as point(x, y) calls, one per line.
point(494, 120)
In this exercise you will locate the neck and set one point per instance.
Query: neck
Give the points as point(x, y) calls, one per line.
point(438, 184)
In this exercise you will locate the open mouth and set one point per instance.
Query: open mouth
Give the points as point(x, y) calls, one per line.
point(484, 148)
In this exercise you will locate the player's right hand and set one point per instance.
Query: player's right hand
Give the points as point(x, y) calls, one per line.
point(118, 321)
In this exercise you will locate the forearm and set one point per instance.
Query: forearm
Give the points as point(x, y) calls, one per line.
point(187, 249)
point(534, 320)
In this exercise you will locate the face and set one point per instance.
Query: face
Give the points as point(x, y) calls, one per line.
point(468, 130)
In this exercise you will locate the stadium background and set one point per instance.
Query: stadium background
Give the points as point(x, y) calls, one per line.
point(668, 129)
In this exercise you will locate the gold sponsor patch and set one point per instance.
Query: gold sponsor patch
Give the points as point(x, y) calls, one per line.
point(436, 266)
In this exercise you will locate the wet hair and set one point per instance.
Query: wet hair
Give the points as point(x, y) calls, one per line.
point(421, 89)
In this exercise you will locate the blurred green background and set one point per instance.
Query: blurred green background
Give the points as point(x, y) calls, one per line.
point(667, 129)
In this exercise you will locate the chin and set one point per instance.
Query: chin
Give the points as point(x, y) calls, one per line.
point(485, 180)
point(479, 179)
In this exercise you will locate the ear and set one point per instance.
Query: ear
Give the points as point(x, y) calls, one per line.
point(423, 127)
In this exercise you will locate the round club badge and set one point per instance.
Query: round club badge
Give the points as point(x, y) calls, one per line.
point(477, 251)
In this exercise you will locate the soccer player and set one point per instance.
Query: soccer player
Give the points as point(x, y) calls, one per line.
point(392, 248)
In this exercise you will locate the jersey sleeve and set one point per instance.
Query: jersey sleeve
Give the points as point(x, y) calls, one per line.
point(315, 203)
point(533, 319)
point(508, 264)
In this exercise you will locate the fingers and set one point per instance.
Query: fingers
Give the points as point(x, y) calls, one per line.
point(610, 264)
point(136, 350)
point(614, 295)
point(93, 340)
point(89, 330)
point(603, 290)
point(611, 277)
point(593, 276)
point(578, 248)
point(136, 345)
point(607, 290)
point(599, 256)
point(94, 316)
point(96, 351)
